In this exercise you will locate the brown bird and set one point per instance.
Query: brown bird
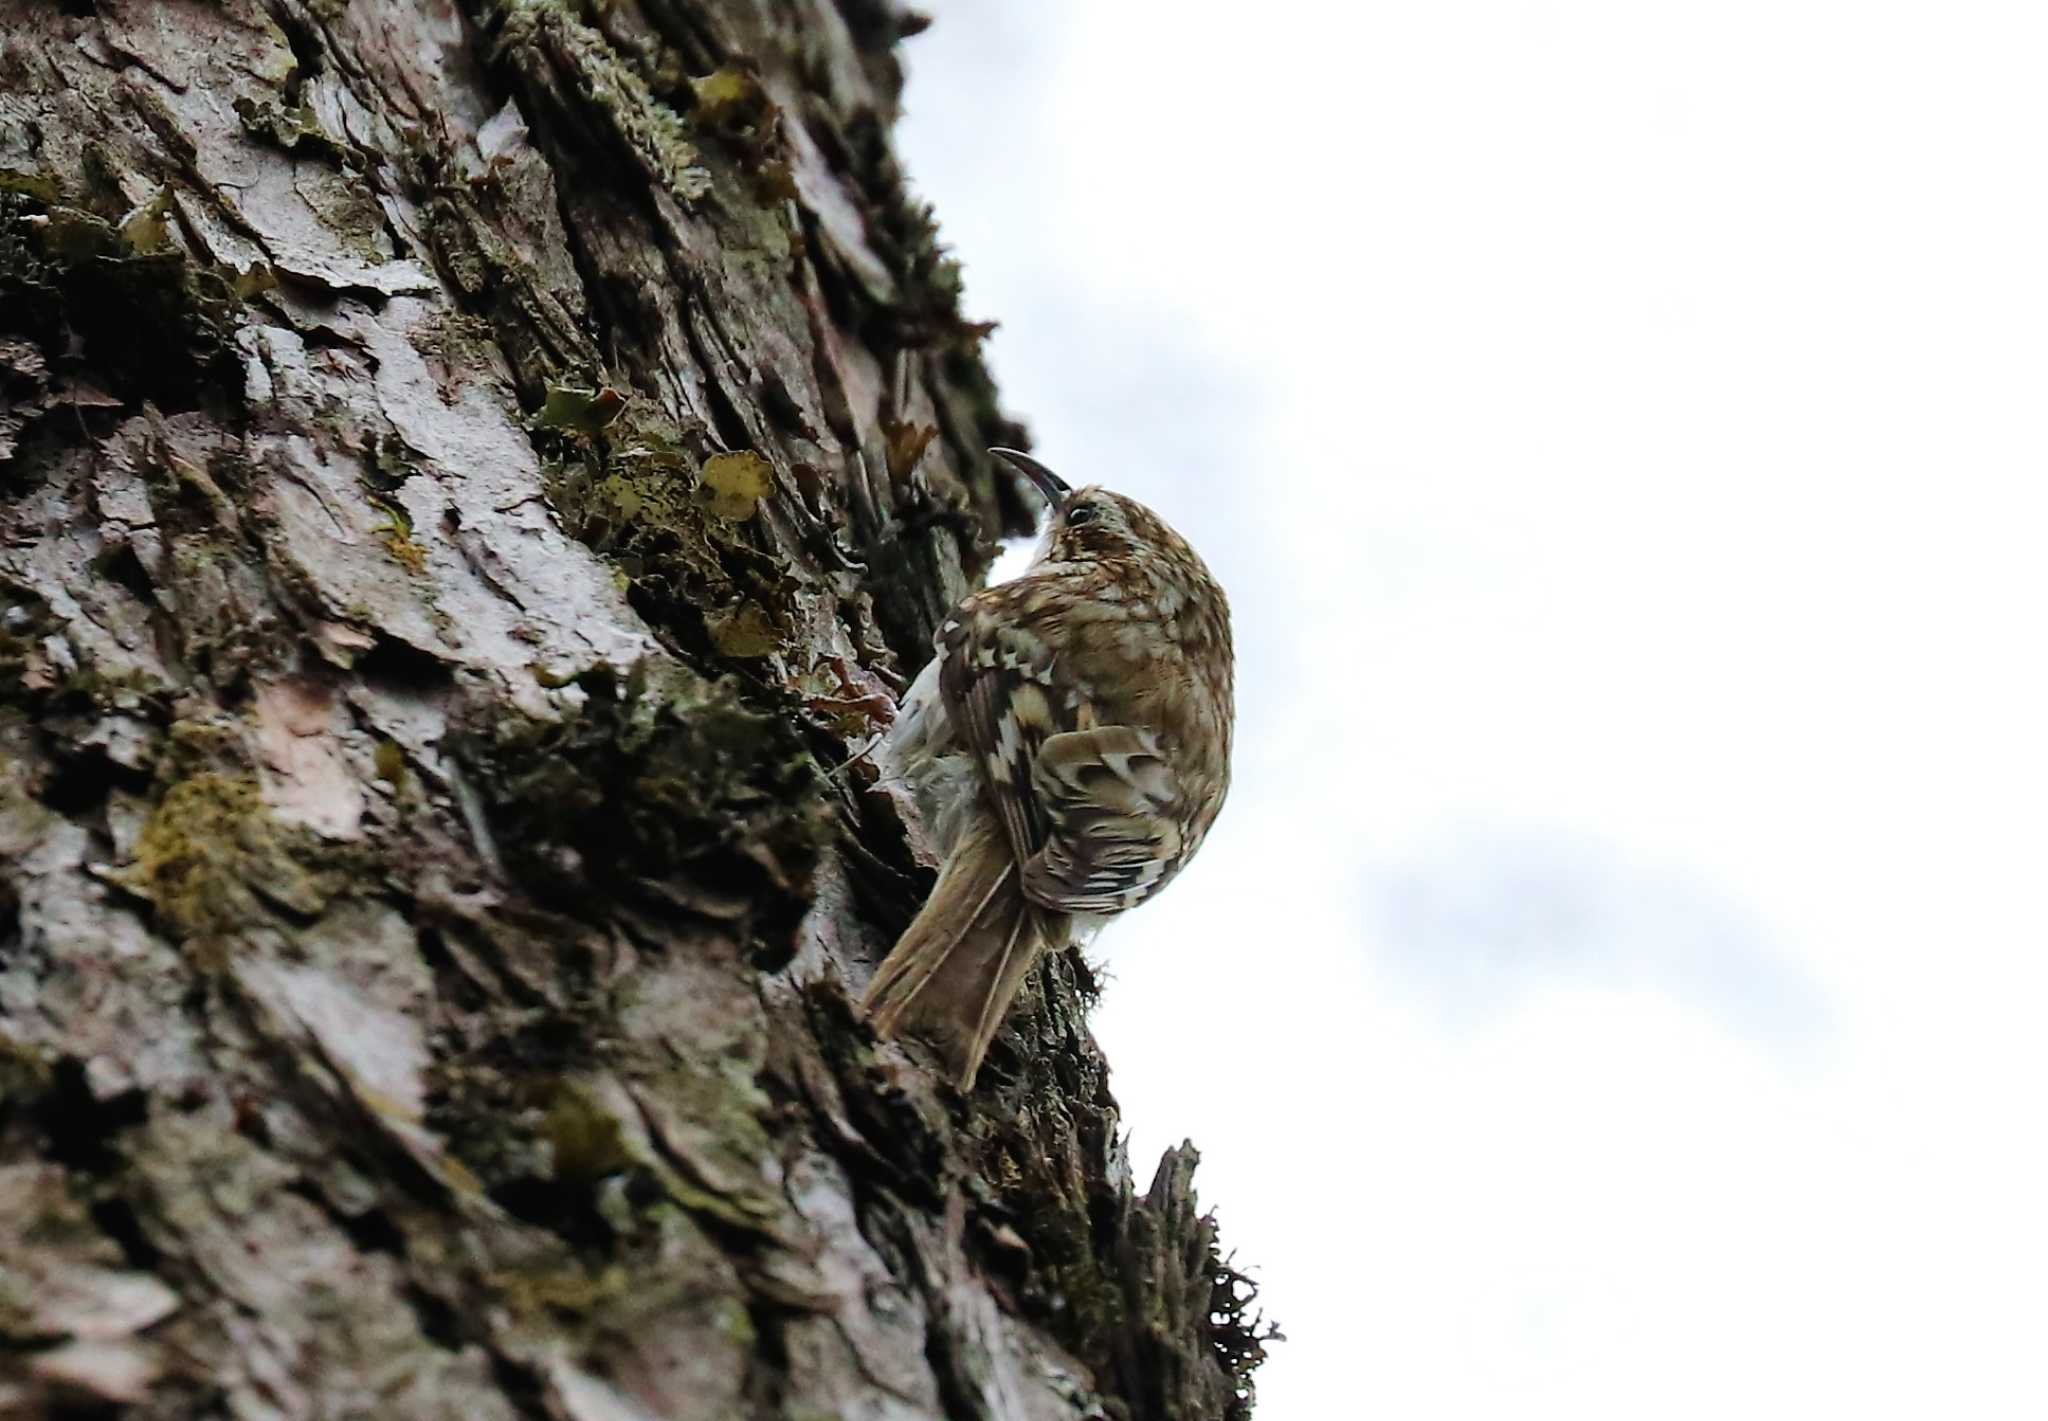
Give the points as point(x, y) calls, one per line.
point(1067, 749)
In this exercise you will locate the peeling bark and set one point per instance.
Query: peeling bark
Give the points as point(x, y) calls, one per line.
point(467, 474)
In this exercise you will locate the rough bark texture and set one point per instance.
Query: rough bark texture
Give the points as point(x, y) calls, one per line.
point(466, 473)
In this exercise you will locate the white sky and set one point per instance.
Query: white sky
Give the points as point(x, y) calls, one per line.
point(1615, 987)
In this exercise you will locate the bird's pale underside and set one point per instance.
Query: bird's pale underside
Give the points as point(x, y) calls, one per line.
point(1067, 749)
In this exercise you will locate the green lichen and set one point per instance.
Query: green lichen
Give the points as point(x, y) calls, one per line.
point(513, 311)
point(1071, 1281)
point(455, 338)
point(211, 859)
point(294, 130)
point(584, 1139)
point(43, 187)
point(1054, 1109)
point(578, 410)
point(731, 108)
point(733, 485)
point(562, 1293)
point(672, 523)
point(333, 186)
point(396, 534)
point(744, 631)
point(583, 63)
point(26, 1074)
point(724, 1108)
point(549, 1144)
point(662, 774)
point(152, 323)
point(730, 1320)
point(730, 99)
point(662, 503)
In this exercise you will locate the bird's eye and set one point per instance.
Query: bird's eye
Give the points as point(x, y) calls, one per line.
point(1080, 513)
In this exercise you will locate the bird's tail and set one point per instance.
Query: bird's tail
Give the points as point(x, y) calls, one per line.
point(963, 959)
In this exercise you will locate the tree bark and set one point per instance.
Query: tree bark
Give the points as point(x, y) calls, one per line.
point(468, 474)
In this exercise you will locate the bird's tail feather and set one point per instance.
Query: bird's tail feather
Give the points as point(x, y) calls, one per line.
point(963, 959)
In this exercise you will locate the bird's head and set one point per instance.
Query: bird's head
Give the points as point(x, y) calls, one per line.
point(1094, 524)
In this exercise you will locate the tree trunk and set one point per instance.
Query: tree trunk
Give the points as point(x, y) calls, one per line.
point(468, 474)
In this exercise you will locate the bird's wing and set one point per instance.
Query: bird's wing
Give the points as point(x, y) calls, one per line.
point(1112, 807)
point(998, 680)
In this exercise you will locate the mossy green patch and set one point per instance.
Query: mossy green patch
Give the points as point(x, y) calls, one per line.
point(671, 523)
point(1072, 1281)
point(562, 1293)
point(210, 859)
point(25, 1075)
point(396, 532)
point(294, 129)
point(153, 325)
point(43, 187)
point(582, 64)
point(744, 631)
point(729, 96)
point(734, 484)
point(719, 1141)
point(661, 774)
point(584, 1139)
point(578, 410)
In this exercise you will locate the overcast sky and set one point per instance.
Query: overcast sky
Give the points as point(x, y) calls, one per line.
point(1615, 987)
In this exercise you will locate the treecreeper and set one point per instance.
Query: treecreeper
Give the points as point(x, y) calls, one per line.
point(1067, 749)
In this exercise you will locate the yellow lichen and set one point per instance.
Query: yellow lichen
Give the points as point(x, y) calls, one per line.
point(578, 410)
point(190, 856)
point(398, 539)
point(745, 632)
point(734, 484)
point(208, 850)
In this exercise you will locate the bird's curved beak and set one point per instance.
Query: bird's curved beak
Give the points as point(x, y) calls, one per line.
point(1049, 483)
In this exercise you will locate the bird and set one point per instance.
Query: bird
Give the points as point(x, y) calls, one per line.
point(1065, 750)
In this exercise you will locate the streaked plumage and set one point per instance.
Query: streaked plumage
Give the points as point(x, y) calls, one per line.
point(1068, 748)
